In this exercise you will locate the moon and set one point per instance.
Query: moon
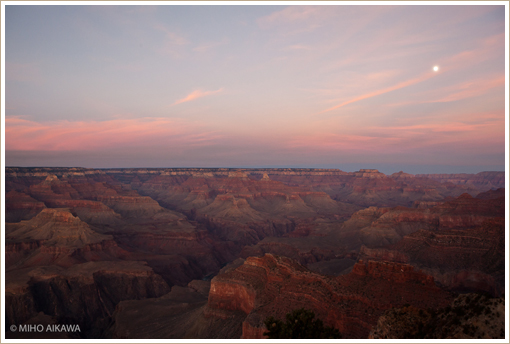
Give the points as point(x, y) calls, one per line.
point(436, 68)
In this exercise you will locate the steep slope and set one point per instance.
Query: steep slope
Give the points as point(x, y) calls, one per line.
point(378, 227)
point(55, 236)
point(85, 294)
point(55, 227)
point(273, 286)
point(460, 242)
point(169, 316)
point(20, 206)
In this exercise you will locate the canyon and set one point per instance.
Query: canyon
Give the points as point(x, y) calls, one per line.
point(212, 252)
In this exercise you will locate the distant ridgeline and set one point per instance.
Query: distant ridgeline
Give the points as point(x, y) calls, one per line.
point(482, 181)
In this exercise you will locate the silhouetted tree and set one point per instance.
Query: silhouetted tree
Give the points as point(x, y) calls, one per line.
point(300, 324)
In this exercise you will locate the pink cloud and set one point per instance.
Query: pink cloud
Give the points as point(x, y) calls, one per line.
point(174, 44)
point(484, 130)
point(470, 89)
point(458, 91)
point(289, 14)
point(487, 49)
point(339, 142)
point(421, 78)
point(195, 95)
point(172, 37)
point(451, 127)
point(210, 46)
point(21, 134)
point(488, 131)
point(294, 20)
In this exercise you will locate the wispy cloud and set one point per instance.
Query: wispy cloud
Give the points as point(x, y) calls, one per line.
point(421, 78)
point(294, 20)
point(174, 43)
point(451, 127)
point(22, 134)
point(340, 142)
point(469, 89)
point(393, 139)
point(455, 92)
point(485, 128)
point(196, 94)
point(289, 14)
point(205, 47)
point(172, 37)
point(486, 49)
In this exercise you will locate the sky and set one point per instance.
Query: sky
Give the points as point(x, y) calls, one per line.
point(335, 86)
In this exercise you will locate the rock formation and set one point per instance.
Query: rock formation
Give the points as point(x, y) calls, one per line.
point(108, 243)
point(20, 206)
point(274, 286)
point(86, 293)
point(460, 242)
point(54, 236)
point(483, 181)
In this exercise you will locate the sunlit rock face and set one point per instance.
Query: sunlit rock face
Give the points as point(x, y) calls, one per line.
point(273, 286)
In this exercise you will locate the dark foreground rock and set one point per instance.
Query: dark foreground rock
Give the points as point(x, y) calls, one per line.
point(470, 316)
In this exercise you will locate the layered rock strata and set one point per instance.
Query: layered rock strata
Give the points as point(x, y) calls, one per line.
point(185, 224)
point(274, 286)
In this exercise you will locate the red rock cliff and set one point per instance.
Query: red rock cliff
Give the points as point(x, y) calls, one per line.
point(274, 286)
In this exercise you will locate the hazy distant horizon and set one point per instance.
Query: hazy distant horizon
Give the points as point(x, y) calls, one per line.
point(386, 169)
point(396, 87)
point(124, 160)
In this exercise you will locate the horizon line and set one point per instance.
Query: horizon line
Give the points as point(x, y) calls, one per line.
point(233, 168)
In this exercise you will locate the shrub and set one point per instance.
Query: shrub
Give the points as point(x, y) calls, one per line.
point(300, 324)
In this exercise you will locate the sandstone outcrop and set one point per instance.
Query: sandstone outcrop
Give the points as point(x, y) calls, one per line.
point(379, 227)
point(471, 260)
point(274, 286)
point(460, 242)
point(55, 236)
point(55, 227)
